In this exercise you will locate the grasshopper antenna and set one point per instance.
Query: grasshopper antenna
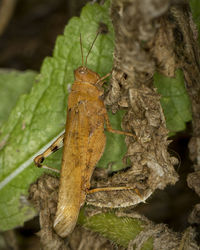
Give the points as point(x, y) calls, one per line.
point(91, 47)
point(81, 48)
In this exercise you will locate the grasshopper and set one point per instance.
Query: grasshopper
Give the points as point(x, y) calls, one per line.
point(84, 142)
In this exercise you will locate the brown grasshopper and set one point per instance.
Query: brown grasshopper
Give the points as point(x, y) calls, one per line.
point(84, 142)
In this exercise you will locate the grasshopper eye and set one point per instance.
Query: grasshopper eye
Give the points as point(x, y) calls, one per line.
point(82, 71)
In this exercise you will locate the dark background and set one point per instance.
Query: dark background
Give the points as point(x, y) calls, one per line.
point(32, 30)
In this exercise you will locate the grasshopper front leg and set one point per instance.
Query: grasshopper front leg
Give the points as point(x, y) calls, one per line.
point(57, 144)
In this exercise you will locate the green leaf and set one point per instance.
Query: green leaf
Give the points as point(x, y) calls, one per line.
point(195, 8)
point(120, 230)
point(39, 117)
point(174, 100)
point(115, 145)
point(13, 83)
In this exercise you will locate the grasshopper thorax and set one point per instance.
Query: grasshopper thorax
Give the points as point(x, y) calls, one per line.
point(83, 74)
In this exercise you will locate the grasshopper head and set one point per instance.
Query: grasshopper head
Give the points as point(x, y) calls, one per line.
point(83, 74)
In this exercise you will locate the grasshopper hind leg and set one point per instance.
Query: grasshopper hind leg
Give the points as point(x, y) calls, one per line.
point(57, 144)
